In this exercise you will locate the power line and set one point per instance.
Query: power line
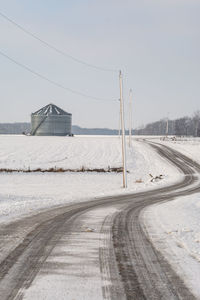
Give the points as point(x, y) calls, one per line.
point(51, 81)
point(55, 48)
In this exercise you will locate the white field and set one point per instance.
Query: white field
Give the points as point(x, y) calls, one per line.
point(22, 193)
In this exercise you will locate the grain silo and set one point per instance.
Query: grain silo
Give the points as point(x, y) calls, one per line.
point(51, 120)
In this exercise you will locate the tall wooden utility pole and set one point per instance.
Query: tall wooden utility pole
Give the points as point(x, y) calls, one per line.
point(119, 133)
point(130, 116)
point(123, 131)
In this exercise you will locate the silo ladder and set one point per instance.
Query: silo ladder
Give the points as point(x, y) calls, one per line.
point(36, 129)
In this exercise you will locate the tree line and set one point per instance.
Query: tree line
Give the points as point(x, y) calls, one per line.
point(185, 126)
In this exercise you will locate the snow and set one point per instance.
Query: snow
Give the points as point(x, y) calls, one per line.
point(22, 152)
point(25, 193)
point(174, 226)
point(188, 146)
point(174, 229)
point(72, 270)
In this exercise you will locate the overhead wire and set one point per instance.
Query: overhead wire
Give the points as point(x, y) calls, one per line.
point(52, 81)
point(63, 53)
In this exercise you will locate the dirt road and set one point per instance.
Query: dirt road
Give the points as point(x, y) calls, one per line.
point(129, 265)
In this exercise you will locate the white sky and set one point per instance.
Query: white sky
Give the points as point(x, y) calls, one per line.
point(155, 43)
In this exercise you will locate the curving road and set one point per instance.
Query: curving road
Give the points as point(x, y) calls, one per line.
point(127, 258)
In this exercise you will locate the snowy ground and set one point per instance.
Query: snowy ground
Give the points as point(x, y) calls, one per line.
point(174, 226)
point(188, 146)
point(73, 269)
point(175, 231)
point(23, 193)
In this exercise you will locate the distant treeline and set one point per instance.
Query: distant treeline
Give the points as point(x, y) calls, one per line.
point(185, 126)
point(189, 126)
point(14, 128)
point(93, 131)
point(19, 128)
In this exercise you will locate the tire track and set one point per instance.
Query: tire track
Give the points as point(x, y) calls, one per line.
point(144, 271)
point(108, 265)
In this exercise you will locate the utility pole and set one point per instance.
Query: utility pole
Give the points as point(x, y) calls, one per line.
point(130, 116)
point(119, 133)
point(123, 131)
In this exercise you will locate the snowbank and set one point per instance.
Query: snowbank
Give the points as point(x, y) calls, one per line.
point(174, 229)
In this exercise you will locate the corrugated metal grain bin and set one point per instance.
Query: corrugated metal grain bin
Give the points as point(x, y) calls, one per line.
point(51, 120)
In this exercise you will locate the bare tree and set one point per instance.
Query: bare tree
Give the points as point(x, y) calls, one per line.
point(196, 121)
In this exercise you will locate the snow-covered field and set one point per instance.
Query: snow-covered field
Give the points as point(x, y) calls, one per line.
point(32, 152)
point(22, 193)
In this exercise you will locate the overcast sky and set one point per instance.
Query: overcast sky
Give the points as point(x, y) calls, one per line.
point(155, 43)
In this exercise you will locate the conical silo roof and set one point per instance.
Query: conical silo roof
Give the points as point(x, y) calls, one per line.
point(50, 109)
